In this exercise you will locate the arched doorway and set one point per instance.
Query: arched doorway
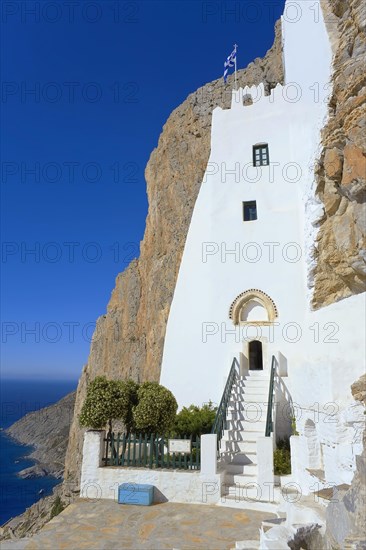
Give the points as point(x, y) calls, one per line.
point(255, 355)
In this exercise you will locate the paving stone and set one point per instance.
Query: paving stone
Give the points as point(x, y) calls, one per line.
point(104, 524)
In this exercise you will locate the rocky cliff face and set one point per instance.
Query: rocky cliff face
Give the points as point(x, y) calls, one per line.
point(128, 340)
point(341, 173)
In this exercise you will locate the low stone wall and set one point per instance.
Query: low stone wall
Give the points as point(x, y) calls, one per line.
point(183, 486)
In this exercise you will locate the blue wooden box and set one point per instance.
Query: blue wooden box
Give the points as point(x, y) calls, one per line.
point(136, 493)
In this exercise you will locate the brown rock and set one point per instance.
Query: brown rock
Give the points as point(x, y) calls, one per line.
point(358, 389)
point(331, 199)
point(354, 169)
point(342, 272)
point(333, 163)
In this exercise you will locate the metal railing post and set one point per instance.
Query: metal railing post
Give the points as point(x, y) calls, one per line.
point(269, 421)
point(220, 418)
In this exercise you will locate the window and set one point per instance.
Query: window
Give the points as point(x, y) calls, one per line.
point(260, 155)
point(249, 211)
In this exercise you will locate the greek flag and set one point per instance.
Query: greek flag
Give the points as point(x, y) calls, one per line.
point(230, 62)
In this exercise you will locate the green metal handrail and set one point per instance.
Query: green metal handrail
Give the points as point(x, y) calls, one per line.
point(219, 424)
point(269, 422)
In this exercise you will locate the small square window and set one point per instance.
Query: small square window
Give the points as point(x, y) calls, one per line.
point(249, 211)
point(260, 155)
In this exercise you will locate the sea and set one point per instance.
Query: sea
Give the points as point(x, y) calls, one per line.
point(17, 398)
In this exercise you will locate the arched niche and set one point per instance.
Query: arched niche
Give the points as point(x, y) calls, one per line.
point(313, 446)
point(253, 306)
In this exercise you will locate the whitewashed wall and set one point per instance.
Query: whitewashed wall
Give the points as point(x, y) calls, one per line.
point(170, 485)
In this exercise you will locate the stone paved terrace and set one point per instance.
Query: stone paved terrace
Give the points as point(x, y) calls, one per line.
point(105, 524)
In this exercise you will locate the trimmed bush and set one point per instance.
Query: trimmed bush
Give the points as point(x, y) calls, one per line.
point(128, 401)
point(107, 400)
point(156, 409)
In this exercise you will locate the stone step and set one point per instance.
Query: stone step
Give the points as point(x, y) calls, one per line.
point(242, 435)
point(238, 458)
point(257, 375)
point(249, 503)
point(244, 458)
point(240, 469)
point(249, 476)
point(240, 504)
point(250, 377)
point(246, 425)
point(252, 382)
point(255, 397)
point(255, 388)
point(241, 446)
point(252, 407)
point(240, 396)
point(251, 412)
point(237, 394)
point(248, 492)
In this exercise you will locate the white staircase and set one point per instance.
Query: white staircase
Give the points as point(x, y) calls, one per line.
point(245, 422)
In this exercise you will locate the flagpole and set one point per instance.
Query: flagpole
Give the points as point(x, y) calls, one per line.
point(235, 49)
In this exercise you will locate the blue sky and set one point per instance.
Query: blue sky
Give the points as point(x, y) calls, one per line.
point(87, 87)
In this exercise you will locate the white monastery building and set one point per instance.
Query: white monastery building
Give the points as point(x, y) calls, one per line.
point(245, 282)
point(241, 330)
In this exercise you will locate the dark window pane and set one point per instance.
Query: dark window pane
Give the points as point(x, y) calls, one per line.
point(250, 211)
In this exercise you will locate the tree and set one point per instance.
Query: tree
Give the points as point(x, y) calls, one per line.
point(129, 397)
point(107, 400)
point(156, 409)
point(194, 420)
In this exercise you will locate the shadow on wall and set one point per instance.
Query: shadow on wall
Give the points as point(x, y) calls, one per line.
point(284, 404)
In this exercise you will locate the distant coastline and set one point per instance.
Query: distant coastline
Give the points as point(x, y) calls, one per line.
point(47, 432)
point(34, 439)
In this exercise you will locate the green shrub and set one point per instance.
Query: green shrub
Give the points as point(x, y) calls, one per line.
point(194, 420)
point(282, 457)
point(293, 426)
point(107, 400)
point(156, 409)
point(57, 507)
